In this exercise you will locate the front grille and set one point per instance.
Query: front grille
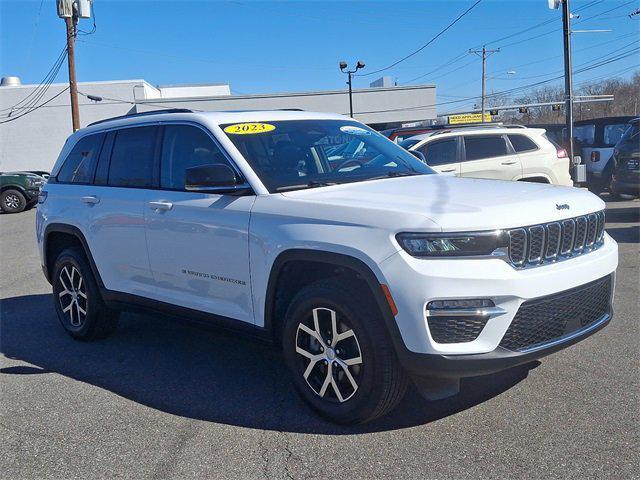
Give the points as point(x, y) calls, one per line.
point(456, 329)
point(545, 319)
point(550, 242)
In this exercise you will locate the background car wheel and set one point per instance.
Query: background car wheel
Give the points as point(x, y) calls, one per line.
point(340, 355)
point(12, 201)
point(77, 298)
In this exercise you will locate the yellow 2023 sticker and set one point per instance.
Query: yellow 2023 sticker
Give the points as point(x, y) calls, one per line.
point(249, 128)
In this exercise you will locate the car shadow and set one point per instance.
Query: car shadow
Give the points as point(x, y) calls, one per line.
point(200, 373)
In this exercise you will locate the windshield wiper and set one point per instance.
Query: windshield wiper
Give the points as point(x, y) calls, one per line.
point(394, 175)
point(311, 184)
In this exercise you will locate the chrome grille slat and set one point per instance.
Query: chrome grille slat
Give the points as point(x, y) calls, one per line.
point(592, 229)
point(581, 233)
point(568, 234)
point(536, 244)
point(554, 236)
point(555, 241)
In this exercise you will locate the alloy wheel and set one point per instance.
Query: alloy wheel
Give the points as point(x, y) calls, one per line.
point(73, 298)
point(331, 362)
point(12, 201)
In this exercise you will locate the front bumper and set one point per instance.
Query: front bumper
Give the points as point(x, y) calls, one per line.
point(415, 282)
point(460, 366)
point(32, 195)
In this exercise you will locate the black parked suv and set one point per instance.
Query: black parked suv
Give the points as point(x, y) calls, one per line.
point(625, 178)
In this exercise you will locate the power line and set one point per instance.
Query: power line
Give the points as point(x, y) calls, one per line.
point(433, 39)
point(12, 119)
point(47, 80)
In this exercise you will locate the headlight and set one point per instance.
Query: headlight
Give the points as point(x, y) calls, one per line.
point(452, 244)
point(34, 182)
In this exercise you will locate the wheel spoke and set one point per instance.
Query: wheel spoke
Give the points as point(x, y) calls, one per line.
point(82, 294)
point(70, 277)
point(328, 379)
point(64, 292)
point(334, 329)
point(310, 332)
point(310, 367)
point(83, 312)
point(336, 389)
point(62, 280)
point(346, 371)
point(344, 335)
point(316, 324)
point(352, 361)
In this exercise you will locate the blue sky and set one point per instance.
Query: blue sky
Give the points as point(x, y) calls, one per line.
point(295, 46)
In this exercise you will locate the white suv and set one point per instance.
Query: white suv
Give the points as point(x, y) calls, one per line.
point(499, 153)
point(318, 233)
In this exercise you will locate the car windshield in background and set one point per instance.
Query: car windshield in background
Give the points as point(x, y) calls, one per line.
point(296, 154)
point(408, 143)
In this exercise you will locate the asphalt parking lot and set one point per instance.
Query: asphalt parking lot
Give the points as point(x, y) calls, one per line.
point(165, 399)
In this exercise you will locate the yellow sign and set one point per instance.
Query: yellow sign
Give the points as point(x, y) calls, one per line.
point(468, 118)
point(249, 128)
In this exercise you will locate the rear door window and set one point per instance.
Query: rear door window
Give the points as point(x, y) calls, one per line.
point(612, 133)
point(80, 165)
point(485, 146)
point(441, 152)
point(522, 143)
point(132, 158)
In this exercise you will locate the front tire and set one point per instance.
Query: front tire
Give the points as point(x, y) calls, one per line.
point(340, 355)
point(78, 302)
point(12, 201)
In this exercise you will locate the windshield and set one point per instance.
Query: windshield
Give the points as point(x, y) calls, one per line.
point(409, 142)
point(297, 154)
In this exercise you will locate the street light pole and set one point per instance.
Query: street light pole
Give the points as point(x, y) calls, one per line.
point(343, 66)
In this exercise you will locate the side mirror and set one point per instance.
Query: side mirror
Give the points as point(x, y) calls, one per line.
point(419, 155)
point(210, 178)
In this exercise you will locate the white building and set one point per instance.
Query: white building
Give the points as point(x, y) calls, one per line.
point(31, 140)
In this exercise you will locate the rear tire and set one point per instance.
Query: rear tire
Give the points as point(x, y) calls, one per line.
point(78, 302)
point(340, 355)
point(12, 201)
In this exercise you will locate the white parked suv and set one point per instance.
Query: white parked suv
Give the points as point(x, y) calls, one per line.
point(318, 233)
point(499, 153)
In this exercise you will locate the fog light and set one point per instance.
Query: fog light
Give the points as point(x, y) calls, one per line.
point(468, 303)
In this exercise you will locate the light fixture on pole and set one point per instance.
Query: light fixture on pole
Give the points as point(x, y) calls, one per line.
point(343, 69)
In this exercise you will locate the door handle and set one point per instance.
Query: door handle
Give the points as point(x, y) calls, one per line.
point(160, 206)
point(508, 163)
point(449, 170)
point(90, 200)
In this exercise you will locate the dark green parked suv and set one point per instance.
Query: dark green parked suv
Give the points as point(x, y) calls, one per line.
point(19, 190)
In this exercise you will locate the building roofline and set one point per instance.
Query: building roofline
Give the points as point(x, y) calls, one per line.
point(290, 94)
point(101, 82)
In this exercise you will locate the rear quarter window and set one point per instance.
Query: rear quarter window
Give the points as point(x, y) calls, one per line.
point(522, 143)
point(80, 164)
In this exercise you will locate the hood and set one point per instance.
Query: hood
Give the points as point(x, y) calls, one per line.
point(459, 204)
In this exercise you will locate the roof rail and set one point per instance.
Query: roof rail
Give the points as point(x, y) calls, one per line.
point(143, 114)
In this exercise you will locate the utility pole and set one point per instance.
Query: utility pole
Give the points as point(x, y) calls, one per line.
point(71, 11)
point(484, 53)
point(568, 78)
point(71, 59)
